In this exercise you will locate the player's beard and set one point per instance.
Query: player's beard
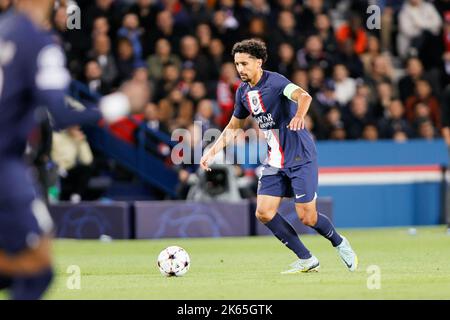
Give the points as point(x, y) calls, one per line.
point(244, 78)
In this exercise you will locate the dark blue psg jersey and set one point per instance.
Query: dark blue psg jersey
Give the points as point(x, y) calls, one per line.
point(273, 112)
point(33, 77)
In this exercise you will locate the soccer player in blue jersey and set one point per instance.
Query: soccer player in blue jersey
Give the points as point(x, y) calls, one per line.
point(279, 107)
point(33, 79)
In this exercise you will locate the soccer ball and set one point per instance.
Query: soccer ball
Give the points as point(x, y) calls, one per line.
point(173, 261)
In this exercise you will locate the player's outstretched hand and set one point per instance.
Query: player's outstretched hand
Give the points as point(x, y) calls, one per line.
point(204, 161)
point(297, 123)
point(114, 106)
point(131, 98)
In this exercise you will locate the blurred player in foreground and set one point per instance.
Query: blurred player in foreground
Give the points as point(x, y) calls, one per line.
point(33, 79)
point(280, 107)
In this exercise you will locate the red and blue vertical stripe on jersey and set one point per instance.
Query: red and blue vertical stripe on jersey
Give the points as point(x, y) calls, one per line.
point(276, 153)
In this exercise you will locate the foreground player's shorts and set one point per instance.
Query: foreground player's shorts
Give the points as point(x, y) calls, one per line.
point(300, 182)
point(19, 209)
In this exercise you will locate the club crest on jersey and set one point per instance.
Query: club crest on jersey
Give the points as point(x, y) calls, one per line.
point(255, 102)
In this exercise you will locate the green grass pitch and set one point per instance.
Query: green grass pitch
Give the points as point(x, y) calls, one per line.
point(410, 267)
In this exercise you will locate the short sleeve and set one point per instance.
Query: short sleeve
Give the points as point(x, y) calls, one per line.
point(279, 82)
point(240, 111)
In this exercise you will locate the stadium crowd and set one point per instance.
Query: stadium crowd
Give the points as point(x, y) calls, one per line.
point(387, 82)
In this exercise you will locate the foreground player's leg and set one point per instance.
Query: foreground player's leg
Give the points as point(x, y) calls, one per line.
point(5, 282)
point(31, 287)
point(309, 216)
point(27, 274)
point(266, 212)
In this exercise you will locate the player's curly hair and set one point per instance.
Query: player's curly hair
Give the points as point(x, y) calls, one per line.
point(253, 47)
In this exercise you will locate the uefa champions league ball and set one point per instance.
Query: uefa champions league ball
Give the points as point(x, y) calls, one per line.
point(173, 261)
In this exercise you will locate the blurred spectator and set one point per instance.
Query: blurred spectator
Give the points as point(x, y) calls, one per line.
point(384, 97)
point(164, 29)
point(290, 5)
point(140, 72)
point(419, 22)
point(146, 11)
point(345, 86)
point(381, 71)
point(198, 11)
point(216, 56)
point(93, 78)
point(325, 98)
point(400, 136)
point(446, 116)
point(373, 51)
point(101, 53)
point(324, 30)
point(181, 17)
point(300, 77)
point(333, 126)
point(285, 32)
point(362, 89)
point(286, 60)
point(169, 80)
point(188, 75)
point(112, 10)
point(204, 35)
point(73, 42)
point(197, 92)
point(166, 113)
point(152, 118)
point(414, 72)
point(338, 133)
point(185, 114)
point(370, 132)
point(226, 22)
point(350, 59)
point(426, 130)
point(446, 42)
point(316, 77)
point(72, 154)
point(130, 29)
point(313, 54)
point(393, 121)
point(388, 19)
point(311, 9)
point(421, 113)
point(358, 117)
point(100, 27)
point(258, 28)
point(163, 55)
point(225, 92)
point(354, 30)
point(258, 8)
point(423, 94)
point(190, 51)
point(125, 59)
point(205, 114)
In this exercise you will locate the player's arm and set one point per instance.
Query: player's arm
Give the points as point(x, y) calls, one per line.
point(303, 100)
point(51, 80)
point(446, 135)
point(228, 135)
